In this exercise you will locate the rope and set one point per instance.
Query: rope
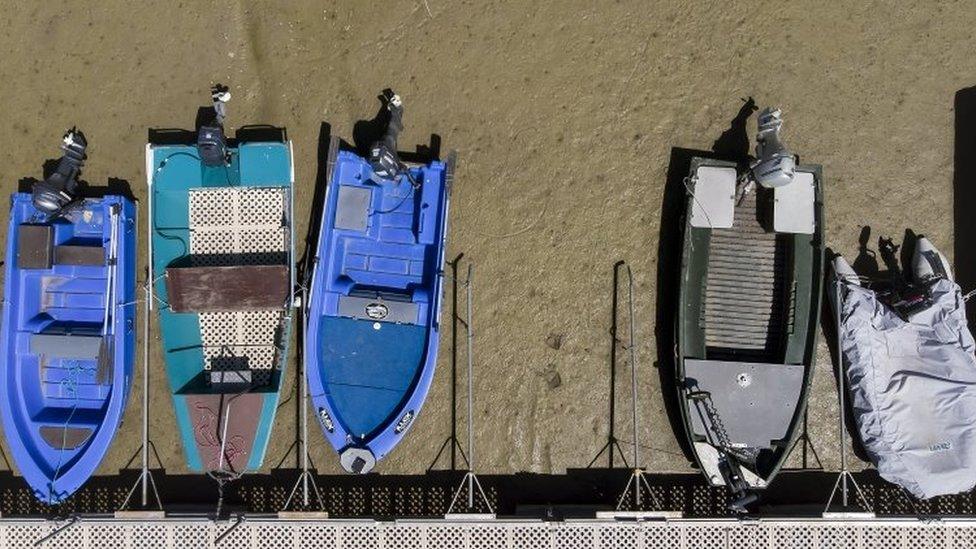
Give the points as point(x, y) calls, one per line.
point(414, 185)
point(688, 190)
point(968, 295)
point(67, 385)
point(525, 229)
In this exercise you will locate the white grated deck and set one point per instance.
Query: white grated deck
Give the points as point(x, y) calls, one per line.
point(239, 226)
point(254, 533)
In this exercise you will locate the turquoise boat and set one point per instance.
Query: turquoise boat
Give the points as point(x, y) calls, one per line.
point(222, 246)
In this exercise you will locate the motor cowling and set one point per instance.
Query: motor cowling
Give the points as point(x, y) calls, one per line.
point(776, 165)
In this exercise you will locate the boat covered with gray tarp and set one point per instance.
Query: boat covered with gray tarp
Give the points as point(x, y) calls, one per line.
point(912, 377)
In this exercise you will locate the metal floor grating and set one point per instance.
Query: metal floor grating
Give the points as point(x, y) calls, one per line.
point(254, 533)
point(239, 226)
point(744, 297)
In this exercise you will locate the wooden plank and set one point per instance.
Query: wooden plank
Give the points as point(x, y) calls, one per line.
point(79, 255)
point(34, 246)
point(232, 288)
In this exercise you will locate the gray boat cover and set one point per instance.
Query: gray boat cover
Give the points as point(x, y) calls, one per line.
point(913, 387)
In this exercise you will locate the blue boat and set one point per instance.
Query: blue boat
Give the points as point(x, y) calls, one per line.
point(68, 331)
point(221, 254)
point(374, 308)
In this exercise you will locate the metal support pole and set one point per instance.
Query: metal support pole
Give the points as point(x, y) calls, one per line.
point(145, 476)
point(845, 474)
point(633, 370)
point(452, 443)
point(150, 176)
point(841, 398)
point(145, 398)
point(470, 478)
point(470, 391)
point(638, 478)
point(305, 478)
point(612, 445)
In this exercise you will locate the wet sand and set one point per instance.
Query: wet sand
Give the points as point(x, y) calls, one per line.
point(564, 115)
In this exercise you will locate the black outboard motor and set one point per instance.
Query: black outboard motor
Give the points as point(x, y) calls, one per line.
point(742, 495)
point(383, 157)
point(211, 142)
point(59, 190)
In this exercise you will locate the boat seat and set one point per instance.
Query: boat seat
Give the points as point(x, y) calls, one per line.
point(794, 205)
point(34, 246)
point(65, 438)
point(79, 255)
point(378, 309)
point(228, 288)
point(352, 209)
point(77, 347)
point(713, 206)
point(84, 347)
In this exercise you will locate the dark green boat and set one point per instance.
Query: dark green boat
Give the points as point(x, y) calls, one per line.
point(749, 306)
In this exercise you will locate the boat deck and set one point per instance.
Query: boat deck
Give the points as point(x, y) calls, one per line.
point(369, 372)
point(233, 226)
point(744, 298)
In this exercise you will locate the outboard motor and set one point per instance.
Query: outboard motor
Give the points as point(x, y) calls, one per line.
point(211, 142)
point(383, 157)
point(56, 192)
point(776, 164)
point(928, 263)
point(906, 297)
point(742, 495)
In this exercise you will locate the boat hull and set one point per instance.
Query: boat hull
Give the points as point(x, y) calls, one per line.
point(373, 322)
point(68, 354)
point(222, 258)
point(748, 311)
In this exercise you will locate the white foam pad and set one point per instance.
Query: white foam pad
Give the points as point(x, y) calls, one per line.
point(713, 205)
point(793, 211)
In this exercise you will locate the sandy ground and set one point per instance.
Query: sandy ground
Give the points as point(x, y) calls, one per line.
point(564, 115)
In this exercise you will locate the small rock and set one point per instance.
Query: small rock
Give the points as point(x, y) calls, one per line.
point(554, 341)
point(553, 379)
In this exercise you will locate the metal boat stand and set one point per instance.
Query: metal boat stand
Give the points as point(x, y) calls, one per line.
point(306, 478)
point(613, 445)
point(845, 475)
point(452, 442)
point(470, 479)
point(806, 447)
point(145, 479)
point(638, 479)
